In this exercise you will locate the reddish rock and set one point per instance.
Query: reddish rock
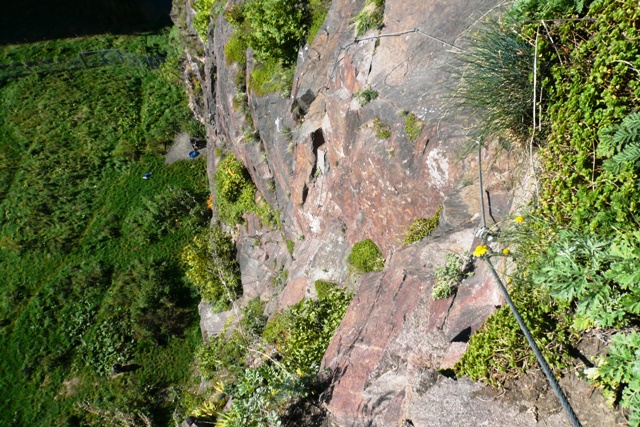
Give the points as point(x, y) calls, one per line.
point(336, 183)
point(293, 293)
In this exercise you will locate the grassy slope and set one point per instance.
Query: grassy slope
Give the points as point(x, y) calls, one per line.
point(87, 247)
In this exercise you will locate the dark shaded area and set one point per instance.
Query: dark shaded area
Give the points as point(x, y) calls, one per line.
point(311, 411)
point(463, 336)
point(33, 20)
point(577, 354)
point(119, 369)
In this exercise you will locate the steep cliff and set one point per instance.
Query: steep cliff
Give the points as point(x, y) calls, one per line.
point(334, 182)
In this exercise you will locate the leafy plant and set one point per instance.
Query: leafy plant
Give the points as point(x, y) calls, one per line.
point(618, 374)
point(259, 396)
point(597, 276)
point(202, 18)
point(413, 127)
point(620, 144)
point(371, 17)
point(449, 276)
point(365, 95)
point(365, 256)
point(323, 288)
point(422, 227)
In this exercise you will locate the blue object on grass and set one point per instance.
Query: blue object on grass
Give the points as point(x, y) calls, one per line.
point(193, 154)
point(146, 175)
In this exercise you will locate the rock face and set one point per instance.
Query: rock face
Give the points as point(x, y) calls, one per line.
point(336, 183)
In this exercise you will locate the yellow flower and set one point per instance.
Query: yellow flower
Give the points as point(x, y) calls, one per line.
point(509, 280)
point(506, 251)
point(519, 219)
point(480, 251)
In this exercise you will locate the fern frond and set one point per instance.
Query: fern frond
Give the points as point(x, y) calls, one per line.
point(632, 121)
point(628, 131)
point(614, 138)
point(630, 154)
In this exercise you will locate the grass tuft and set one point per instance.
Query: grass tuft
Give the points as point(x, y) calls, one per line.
point(382, 130)
point(371, 17)
point(413, 127)
point(495, 85)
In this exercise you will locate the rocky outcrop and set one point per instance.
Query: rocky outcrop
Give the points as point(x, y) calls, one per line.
point(335, 183)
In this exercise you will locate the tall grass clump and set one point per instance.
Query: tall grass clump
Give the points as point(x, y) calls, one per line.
point(371, 17)
point(494, 75)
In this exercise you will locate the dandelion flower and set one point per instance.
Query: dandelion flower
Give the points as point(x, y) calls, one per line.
point(506, 251)
point(480, 251)
point(519, 219)
point(509, 280)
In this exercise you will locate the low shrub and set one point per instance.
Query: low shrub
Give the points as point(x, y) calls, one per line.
point(222, 357)
point(276, 29)
point(524, 10)
point(236, 193)
point(498, 351)
point(253, 319)
point(365, 95)
point(202, 18)
point(309, 327)
point(212, 267)
point(260, 394)
point(366, 256)
point(422, 227)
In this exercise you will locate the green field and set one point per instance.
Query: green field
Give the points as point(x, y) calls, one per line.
point(90, 251)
